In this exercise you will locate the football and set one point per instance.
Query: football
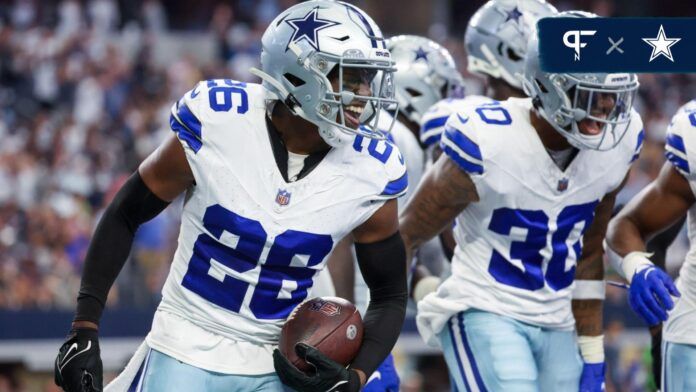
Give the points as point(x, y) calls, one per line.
point(333, 325)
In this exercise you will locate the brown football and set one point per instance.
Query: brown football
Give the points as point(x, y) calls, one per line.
point(331, 324)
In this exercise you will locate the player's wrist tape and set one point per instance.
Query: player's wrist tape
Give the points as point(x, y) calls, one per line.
point(589, 289)
point(591, 348)
point(425, 286)
point(627, 265)
point(635, 262)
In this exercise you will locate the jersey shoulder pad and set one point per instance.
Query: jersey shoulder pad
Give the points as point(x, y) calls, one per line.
point(432, 123)
point(680, 143)
point(460, 142)
point(382, 161)
point(212, 101)
point(635, 136)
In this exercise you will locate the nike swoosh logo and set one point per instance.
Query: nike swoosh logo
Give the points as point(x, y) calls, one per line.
point(337, 385)
point(648, 271)
point(195, 92)
point(73, 347)
point(66, 360)
point(375, 376)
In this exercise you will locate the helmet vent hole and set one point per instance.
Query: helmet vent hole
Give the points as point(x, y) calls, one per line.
point(294, 80)
point(513, 56)
point(413, 93)
point(541, 86)
point(500, 48)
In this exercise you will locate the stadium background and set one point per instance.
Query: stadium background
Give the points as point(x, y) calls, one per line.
point(85, 91)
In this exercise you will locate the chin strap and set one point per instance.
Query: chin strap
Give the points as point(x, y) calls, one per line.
point(282, 93)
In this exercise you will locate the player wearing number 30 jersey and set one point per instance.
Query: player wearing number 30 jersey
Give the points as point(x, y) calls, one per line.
point(273, 175)
point(530, 181)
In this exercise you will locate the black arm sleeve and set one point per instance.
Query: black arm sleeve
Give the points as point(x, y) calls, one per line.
point(133, 205)
point(383, 265)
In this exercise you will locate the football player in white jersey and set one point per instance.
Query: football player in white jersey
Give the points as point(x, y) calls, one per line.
point(496, 41)
point(274, 175)
point(425, 73)
point(659, 205)
point(531, 183)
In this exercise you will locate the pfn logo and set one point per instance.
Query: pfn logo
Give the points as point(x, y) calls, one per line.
point(576, 42)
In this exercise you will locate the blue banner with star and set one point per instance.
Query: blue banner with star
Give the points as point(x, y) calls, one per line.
point(641, 45)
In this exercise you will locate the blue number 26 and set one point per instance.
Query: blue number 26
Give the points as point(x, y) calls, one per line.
point(218, 265)
point(528, 252)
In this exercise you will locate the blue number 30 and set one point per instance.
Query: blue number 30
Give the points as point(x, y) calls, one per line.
point(531, 276)
point(216, 271)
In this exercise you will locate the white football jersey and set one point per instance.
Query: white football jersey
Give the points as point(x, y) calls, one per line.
point(411, 151)
point(433, 121)
point(518, 245)
point(680, 149)
point(251, 244)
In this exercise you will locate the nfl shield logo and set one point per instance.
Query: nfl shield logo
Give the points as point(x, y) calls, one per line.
point(562, 185)
point(283, 197)
point(328, 308)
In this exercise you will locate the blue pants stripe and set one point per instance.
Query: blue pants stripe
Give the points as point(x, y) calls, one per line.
point(455, 347)
point(137, 384)
point(469, 354)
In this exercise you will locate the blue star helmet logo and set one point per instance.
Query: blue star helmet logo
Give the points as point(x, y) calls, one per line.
point(514, 15)
point(421, 54)
point(307, 28)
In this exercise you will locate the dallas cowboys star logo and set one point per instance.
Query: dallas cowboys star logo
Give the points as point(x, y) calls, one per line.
point(661, 45)
point(421, 54)
point(306, 28)
point(515, 15)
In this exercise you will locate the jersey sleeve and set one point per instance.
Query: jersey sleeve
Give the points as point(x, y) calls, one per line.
point(680, 143)
point(396, 183)
point(185, 121)
point(460, 143)
point(432, 123)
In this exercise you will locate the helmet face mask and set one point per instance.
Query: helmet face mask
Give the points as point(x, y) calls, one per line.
point(315, 41)
point(591, 110)
point(599, 115)
point(345, 106)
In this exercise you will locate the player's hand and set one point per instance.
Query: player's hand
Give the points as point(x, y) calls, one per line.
point(328, 375)
point(649, 294)
point(592, 378)
point(78, 367)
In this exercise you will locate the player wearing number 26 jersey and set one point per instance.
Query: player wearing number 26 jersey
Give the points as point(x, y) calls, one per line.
point(531, 183)
point(274, 175)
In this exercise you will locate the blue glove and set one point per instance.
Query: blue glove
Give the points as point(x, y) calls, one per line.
point(384, 379)
point(592, 378)
point(649, 294)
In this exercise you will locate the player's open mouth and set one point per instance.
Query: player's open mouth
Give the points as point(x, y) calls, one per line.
point(590, 127)
point(352, 115)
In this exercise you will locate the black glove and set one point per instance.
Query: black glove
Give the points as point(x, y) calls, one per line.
point(329, 376)
point(78, 367)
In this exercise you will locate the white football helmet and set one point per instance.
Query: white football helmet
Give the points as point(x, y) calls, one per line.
point(425, 74)
point(566, 99)
point(497, 36)
point(310, 40)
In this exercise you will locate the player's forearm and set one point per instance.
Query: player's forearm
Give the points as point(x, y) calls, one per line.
point(588, 294)
point(624, 236)
point(383, 267)
point(588, 316)
point(443, 193)
point(133, 205)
